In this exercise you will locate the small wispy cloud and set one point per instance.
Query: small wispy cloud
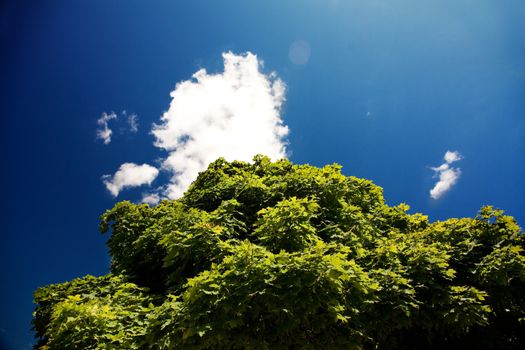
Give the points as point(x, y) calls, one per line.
point(448, 175)
point(451, 157)
point(104, 132)
point(130, 175)
point(133, 123)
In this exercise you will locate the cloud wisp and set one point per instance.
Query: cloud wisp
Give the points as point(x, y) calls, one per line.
point(130, 175)
point(448, 175)
point(104, 132)
point(133, 123)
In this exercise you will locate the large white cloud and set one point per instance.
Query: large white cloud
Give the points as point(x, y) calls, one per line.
point(448, 176)
point(130, 175)
point(234, 114)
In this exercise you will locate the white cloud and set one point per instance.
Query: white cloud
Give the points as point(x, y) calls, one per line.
point(150, 198)
point(448, 176)
point(104, 132)
point(133, 123)
point(234, 114)
point(451, 157)
point(130, 175)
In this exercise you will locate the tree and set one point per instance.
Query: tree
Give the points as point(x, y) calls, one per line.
point(272, 255)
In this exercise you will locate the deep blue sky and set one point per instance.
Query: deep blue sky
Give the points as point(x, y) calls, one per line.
point(390, 86)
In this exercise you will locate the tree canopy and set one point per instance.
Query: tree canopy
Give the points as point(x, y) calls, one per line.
point(272, 255)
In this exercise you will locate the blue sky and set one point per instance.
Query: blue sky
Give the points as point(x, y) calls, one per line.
point(384, 88)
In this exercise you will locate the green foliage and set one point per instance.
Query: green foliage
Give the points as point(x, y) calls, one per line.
point(91, 313)
point(273, 301)
point(271, 255)
point(286, 226)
